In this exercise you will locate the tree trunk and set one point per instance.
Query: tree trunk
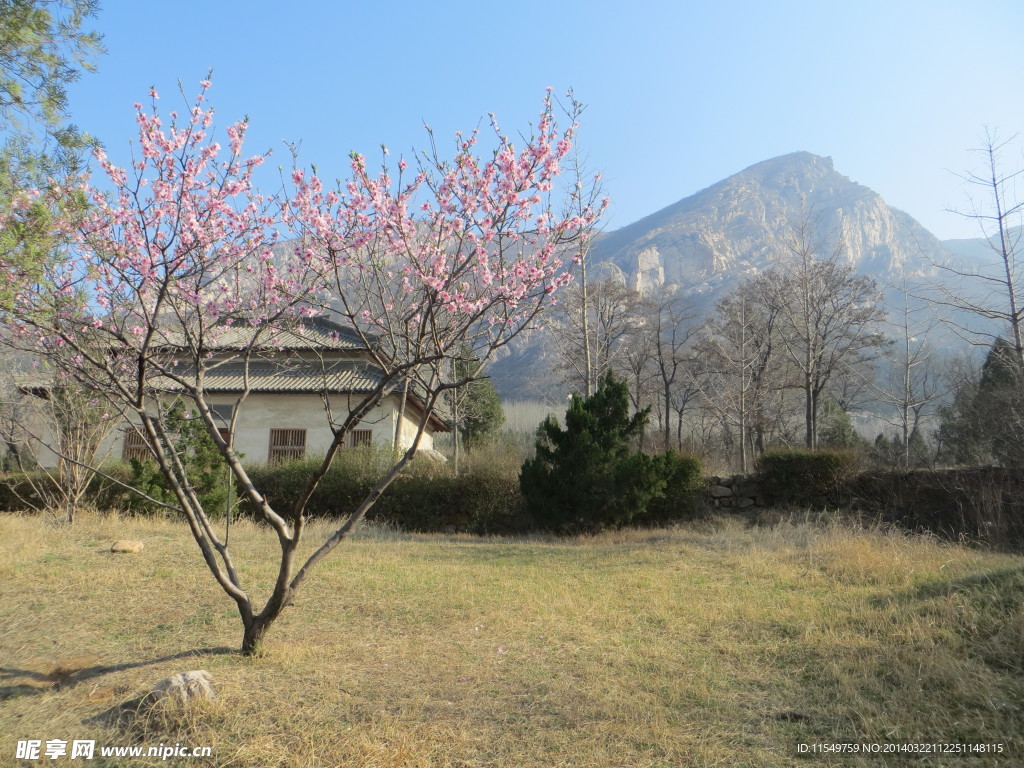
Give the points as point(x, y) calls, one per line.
point(743, 427)
point(588, 367)
point(255, 629)
point(809, 412)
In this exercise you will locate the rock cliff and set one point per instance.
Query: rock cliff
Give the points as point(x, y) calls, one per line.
point(738, 226)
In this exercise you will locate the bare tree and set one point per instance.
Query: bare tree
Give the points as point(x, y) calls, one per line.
point(743, 365)
point(636, 368)
point(590, 328)
point(828, 315)
point(65, 421)
point(586, 366)
point(913, 386)
point(990, 292)
point(670, 326)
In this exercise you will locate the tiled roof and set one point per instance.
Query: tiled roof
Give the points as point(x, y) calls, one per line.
point(315, 333)
point(294, 376)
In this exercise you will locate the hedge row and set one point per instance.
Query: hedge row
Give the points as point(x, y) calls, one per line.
point(426, 497)
point(483, 498)
point(978, 504)
point(984, 504)
point(803, 477)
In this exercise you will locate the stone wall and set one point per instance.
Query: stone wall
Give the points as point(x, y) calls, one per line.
point(736, 492)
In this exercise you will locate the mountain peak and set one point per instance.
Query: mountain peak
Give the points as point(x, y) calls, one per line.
point(792, 160)
point(738, 226)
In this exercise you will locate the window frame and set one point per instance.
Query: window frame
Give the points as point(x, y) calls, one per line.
point(285, 445)
point(360, 438)
point(134, 446)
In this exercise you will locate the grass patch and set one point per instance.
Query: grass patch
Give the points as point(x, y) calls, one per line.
point(714, 644)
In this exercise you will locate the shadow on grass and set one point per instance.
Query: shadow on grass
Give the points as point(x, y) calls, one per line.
point(1009, 581)
point(61, 677)
point(940, 662)
point(982, 610)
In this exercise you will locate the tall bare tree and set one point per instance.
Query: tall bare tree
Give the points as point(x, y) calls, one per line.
point(990, 291)
point(742, 361)
point(635, 367)
point(586, 365)
point(590, 328)
point(670, 326)
point(912, 386)
point(828, 315)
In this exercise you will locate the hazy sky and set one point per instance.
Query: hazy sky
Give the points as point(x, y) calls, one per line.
point(679, 94)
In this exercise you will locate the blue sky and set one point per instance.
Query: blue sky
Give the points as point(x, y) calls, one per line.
point(679, 94)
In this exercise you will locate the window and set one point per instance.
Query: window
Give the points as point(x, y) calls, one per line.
point(134, 446)
point(359, 438)
point(287, 444)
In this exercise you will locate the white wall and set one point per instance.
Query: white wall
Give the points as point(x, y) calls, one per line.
point(260, 413)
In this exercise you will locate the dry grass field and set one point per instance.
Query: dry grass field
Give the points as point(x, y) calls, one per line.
point(713, 645)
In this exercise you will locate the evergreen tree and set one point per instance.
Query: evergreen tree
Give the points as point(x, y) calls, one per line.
point(835, 428)
point(1000, 403)
point(985, 422)
point(206, 471)
point(961, 435)
point(479, 406)
point(474, 408)
point(587, 476)
point(43, 48)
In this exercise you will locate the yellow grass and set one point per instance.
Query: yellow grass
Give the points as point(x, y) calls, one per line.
point(712, 645)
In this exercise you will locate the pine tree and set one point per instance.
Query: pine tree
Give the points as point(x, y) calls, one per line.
point(480, 411)
point(587, 476)
point(985, 422)
point(835, 428)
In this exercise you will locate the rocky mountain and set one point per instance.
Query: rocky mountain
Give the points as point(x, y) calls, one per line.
point(738, 226)
point(708, 242)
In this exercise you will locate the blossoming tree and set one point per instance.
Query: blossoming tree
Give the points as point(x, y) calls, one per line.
point(186, 265)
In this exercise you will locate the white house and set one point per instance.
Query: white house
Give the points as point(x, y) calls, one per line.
point(291, 385)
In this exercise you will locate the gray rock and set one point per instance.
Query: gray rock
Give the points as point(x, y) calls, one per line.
point(185, 687)
point(720, 491)
point(127, 545)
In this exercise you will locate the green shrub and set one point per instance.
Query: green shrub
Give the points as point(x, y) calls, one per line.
point(805, 477)
point(203, 462)
point(431, 498)
point(684, 488)
point(339, 492)
point(428, 497)
point(587, 477)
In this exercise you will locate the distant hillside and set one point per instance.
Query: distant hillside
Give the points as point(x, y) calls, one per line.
point(708, 242)
point(979, 250)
